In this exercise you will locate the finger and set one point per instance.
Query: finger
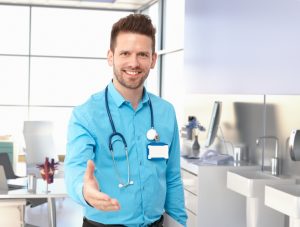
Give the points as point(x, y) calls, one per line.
point(97, 195)
point(111, 208)
point(115, 202)
point(102, 203)
point(110, 202)
point(97, 202)
point(89, 172)
point(90, 184)
point(106, 206)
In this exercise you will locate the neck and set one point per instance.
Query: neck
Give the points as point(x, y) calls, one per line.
point(132, 95)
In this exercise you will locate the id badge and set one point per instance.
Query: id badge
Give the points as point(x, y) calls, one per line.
point(157, 150)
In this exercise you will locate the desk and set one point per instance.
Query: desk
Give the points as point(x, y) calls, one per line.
point(57, 190)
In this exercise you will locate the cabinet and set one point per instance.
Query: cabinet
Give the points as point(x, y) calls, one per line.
point(208, 202)
point(190, 184)
point(12, 212)
point(189, 176)
point(217, 205)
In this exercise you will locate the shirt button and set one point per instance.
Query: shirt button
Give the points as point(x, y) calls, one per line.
point(140, 163)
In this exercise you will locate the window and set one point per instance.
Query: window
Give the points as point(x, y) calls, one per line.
point(14, 27)
point(71, 32)
point(153, 81)
point(172, 59)
point(66, 81)
point(174, 24)
point(13, 80)
point(51, 59)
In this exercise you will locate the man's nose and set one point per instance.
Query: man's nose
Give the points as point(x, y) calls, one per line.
point(134, 61)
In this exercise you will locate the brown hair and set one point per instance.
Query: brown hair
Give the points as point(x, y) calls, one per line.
point(134, 23)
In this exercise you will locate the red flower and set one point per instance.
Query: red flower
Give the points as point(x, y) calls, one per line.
point(47, 170)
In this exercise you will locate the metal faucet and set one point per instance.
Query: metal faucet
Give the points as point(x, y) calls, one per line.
point(275, 159)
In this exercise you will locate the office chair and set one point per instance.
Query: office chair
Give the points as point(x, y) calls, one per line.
point(38, 136)
point(8, 169)
point(10, 174)
point(39, 142)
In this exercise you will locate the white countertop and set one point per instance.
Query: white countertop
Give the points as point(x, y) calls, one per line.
point(193, 165)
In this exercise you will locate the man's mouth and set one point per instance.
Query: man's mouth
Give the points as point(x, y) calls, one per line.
point(133, 73)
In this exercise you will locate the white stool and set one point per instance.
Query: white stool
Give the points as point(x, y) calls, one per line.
point(12, 212)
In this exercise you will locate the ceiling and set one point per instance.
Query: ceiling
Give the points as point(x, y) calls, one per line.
point(97, 4)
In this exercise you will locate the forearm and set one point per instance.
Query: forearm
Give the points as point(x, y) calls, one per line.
point(174, 205)
point(80, 148)
point(74, 183)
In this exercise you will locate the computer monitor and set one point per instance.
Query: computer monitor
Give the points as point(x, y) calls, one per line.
point(214, 124)
point(39, 141)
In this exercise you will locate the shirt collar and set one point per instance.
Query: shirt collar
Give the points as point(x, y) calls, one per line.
point(145, 97)
point(119, 99)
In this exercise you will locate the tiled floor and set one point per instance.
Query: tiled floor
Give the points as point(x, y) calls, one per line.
point(69, 214)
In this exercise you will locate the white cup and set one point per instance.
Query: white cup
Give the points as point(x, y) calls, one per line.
point(31, 183)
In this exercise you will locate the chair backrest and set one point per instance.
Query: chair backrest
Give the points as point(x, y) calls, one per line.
point(39, 141)
point(8, 169)
point(3, 180)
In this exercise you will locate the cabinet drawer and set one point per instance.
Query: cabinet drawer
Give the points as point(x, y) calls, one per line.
point(190, 181)
point(190, 201)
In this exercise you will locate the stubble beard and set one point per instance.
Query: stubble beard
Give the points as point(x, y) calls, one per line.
point(128, 84)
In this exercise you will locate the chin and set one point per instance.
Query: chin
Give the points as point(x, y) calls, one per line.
point(133, 86)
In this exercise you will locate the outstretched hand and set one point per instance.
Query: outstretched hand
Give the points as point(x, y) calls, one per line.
point(92, 194)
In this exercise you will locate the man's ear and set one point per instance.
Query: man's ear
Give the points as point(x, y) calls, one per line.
point(110, 56)
point(154, 58)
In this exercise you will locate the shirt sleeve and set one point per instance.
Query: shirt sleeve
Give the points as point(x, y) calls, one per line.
point(174, 204)
point(80, 148)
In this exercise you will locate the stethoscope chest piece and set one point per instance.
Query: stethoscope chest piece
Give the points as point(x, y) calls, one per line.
point(125, 185)
point(152, 134)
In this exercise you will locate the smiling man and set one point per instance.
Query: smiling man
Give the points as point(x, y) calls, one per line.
point(123, 160)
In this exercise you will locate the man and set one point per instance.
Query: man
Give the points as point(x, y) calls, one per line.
point(123, 163)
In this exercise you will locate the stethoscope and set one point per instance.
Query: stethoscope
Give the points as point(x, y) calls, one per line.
point(151, 135)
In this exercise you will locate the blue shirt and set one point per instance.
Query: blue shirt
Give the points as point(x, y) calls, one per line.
point(157, 184)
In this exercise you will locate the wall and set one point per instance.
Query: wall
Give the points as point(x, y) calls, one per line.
point(241, 119)
point(246, 117)
point(281, 119)
point(242, 47)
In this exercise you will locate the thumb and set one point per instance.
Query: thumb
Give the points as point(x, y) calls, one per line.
point(89, 172)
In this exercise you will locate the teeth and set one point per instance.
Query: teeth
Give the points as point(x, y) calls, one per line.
point(132, 72)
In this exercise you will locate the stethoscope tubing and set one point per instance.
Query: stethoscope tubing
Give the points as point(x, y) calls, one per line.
point(110, 117)
point(115, 133)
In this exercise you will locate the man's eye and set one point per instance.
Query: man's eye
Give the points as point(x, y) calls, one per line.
point(145, 55)
point(124, 54)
